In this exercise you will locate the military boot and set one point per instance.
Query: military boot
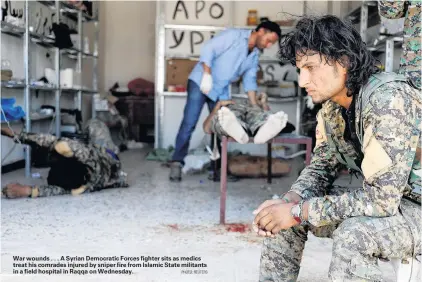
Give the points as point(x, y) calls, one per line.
point(175, 171)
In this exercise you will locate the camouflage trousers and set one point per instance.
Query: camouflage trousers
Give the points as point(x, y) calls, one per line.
point(52, 190)
point(358, 243)
point(250, 117)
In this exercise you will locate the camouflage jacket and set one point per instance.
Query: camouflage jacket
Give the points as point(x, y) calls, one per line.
point(391, 127)
point(410, 61)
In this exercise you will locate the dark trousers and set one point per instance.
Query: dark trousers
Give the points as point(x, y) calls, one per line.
point(194, 104)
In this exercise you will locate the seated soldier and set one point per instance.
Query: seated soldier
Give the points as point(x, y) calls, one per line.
point(242, 120)
point(76, 167)
point(370, 122)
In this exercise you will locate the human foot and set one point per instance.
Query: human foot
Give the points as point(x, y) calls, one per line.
point(15, 190)
point(274, 124)
point(231, 125)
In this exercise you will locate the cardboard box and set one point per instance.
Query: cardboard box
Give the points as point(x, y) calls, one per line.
point(178, 71)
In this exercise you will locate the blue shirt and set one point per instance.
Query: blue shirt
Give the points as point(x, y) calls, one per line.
point(227, 56)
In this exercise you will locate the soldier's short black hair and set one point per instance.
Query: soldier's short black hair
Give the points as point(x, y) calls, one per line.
point(338, 41)
point(271, 26)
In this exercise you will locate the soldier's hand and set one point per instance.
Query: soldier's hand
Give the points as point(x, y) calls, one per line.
point(268, 203)
point(275, 218)
point(266, 108)
point(265, 204)
point(262, 101)
point(7, 132)
point(261, 232)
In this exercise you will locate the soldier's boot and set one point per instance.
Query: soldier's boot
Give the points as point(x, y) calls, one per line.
point(63, 149)
point(175, 172)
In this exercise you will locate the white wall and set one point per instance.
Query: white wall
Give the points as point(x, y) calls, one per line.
point(128, 37)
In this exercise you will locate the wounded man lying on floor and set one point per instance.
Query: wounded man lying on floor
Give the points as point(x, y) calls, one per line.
point(242, 120)
point(76, 167)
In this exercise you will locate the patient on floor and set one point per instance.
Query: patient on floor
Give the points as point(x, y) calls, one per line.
point(76, 167)
point(241, 121)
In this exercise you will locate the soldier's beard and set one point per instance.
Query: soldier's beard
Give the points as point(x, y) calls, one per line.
point(319, 99)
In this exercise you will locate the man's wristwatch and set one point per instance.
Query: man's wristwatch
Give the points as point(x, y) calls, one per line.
point(296, 212)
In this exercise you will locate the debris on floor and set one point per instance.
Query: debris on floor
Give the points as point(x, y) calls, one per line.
point(266, 187)
point(36, 175)
point(196, 163)
point(160, 155)
point(132, 144)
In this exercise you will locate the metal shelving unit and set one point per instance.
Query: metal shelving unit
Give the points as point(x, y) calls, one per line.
point(65, 10)
point(367, 16)
point(160, 68)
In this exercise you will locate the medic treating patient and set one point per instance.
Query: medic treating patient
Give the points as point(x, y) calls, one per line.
point(231, 54)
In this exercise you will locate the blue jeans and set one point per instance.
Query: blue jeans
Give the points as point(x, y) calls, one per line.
point(194, 104)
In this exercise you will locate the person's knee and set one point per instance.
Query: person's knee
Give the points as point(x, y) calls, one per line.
point(354, 235)
point(354, 252)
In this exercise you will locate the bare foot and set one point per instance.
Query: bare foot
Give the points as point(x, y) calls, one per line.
point(63, 149)
point(274, 124)
point(231, 125)
point(16, 190)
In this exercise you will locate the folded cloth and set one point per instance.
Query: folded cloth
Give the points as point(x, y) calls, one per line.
point(11, 112)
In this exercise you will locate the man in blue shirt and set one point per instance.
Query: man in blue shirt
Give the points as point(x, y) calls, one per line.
point(226, 57)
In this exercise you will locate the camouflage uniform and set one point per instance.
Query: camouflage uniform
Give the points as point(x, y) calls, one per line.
point(115, 120)
point(104, 169)
point(250, 117)
point(370, 222)
point(410, 61)
point(99, 134)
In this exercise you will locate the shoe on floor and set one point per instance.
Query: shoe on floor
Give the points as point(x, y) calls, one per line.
point(175, 172)
point(230, 177)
